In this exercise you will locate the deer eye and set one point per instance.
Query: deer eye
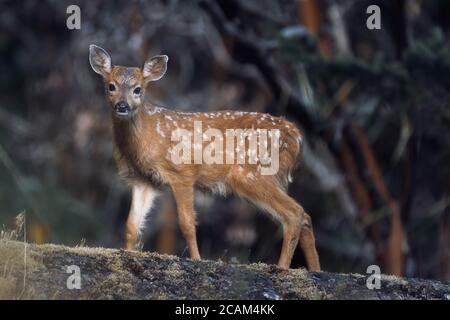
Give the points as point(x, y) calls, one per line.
point(111, 87)
point(137, 90)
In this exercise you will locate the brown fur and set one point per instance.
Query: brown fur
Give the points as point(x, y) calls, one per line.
point(141, 146)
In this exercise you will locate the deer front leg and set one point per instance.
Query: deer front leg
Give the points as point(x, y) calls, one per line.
point(184, 197)
point(142, 199)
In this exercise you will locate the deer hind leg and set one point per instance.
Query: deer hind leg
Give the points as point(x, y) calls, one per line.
point(308, 244)
point(289, 212)
point(297, 230)
point(271, 198)
point(142, 199)
point(184, 197)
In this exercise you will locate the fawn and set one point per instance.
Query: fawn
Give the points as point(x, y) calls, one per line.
point(148, 157)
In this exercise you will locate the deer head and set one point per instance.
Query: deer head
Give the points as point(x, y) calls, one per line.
point(125, 86)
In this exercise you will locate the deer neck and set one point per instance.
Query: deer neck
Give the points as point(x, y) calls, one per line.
point(127, 133)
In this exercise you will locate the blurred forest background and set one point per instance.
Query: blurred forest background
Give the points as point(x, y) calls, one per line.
point(374, 106)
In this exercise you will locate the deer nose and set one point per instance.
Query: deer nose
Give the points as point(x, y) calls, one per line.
point(122, 107)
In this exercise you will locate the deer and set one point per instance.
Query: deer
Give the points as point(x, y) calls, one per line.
point(144, 144)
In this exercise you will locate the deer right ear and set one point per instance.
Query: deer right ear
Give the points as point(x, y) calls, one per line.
point(100, 60)
point(155, 68)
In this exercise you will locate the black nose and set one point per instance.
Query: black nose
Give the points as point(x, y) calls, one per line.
point(122, 107)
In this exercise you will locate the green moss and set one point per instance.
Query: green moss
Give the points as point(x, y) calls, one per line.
point(119, 274)
point(15, 270)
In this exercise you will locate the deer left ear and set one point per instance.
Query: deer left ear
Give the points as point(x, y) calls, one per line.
point(100, 60)
point(155, 68)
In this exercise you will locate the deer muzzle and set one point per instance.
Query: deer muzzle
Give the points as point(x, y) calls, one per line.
point(122, 108)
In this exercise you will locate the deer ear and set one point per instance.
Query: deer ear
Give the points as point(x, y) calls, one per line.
point(100, 60)
point(155, 68)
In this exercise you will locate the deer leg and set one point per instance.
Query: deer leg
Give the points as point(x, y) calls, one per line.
point(141, 202)
point(292, 217)
point(298, 230)
point(275, 201)
point(308, 244)
point(291, 234)
point(184, 197)
point(288, 210)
